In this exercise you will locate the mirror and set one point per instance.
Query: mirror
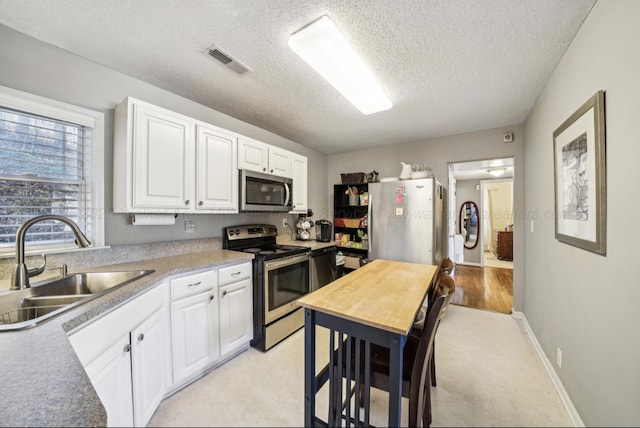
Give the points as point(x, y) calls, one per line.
point(469, 224)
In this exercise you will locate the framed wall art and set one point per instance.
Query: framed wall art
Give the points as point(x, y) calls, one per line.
point(580, 177)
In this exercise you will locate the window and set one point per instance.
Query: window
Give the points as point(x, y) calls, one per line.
point(50, 163)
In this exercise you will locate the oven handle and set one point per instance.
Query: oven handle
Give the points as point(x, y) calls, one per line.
point(286, 261)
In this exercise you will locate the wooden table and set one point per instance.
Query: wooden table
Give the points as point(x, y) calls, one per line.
point(377, 303)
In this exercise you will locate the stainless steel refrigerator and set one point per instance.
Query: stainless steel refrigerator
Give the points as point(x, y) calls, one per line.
point(406, 221)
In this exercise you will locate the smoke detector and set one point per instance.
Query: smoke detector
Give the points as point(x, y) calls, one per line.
point(217, 54)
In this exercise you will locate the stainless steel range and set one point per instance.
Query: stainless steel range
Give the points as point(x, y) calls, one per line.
point(281, 275)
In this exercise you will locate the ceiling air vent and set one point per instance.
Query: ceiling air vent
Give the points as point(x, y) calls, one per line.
point(221, 56)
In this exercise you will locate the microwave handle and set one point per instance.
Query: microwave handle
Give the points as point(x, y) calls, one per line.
point(286, 199)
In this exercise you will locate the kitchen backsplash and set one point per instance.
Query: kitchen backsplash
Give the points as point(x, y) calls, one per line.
point(82, 260)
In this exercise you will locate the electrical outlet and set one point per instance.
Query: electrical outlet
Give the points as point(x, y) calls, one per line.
point(559, 357)
point(531, 226)
point(285, 222)
point(189, 225)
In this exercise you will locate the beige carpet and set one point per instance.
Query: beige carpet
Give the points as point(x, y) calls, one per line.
point(487, 371)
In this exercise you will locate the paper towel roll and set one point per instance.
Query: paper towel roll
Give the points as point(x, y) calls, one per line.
point(153, 219)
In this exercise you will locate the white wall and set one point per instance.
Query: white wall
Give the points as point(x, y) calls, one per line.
point(583, 303)
point(437, 153)
point(33, 66)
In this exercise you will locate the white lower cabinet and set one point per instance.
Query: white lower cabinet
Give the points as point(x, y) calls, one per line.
point(110, 375)
point(211, 319)
point(164, 339)
point(236, 308)
point(125, 353)
point(194, 325)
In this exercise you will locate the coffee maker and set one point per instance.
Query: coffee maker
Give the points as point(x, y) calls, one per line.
point(323, 230)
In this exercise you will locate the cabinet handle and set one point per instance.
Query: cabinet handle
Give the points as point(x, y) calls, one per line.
point(224, 293)
point(140, 337)
point(187, 202)
point(211, 297)
point(194, 284)
point(272, 171)
point(236, 274)
point(127, 348)
point(201, 203)
point(264, 169)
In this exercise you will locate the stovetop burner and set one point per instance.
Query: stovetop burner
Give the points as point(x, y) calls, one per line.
point(252, 250)
point(260, 240)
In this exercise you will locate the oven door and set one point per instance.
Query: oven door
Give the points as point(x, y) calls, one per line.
point(263, 192)
point(285, 281)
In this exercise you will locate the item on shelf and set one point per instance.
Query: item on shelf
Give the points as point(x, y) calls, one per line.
point(353, 178)
point(372, 177)
point(364, 198)
point(352, 222)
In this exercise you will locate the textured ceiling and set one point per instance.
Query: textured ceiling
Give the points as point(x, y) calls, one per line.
point(448, 66)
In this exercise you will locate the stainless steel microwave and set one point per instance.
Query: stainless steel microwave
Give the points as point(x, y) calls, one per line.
point(264, 192)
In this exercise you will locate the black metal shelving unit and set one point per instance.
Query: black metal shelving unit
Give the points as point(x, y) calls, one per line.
point(342, 209)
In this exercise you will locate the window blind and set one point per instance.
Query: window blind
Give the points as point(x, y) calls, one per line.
point(44, 169)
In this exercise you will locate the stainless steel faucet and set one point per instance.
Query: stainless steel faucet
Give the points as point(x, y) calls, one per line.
point(21, 274)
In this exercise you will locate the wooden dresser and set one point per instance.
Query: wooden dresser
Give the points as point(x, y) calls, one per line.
point(503, 248)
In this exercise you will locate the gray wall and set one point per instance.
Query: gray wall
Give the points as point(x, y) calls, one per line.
point(583, 303)
point(437, 153)
point(32, 66)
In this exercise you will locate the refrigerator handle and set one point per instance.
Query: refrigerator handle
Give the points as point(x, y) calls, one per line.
point(369, 224)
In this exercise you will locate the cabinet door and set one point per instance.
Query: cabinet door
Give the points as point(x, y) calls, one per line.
point(196, 343)
point(280, 162)
point(163, 158)
point(110, 374)
point(299, 201)
point(149, 359)
point(236, 316)
point(253, 155)
point(217, 171)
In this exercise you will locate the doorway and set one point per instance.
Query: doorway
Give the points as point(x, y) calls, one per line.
point(483, 275)
point(497, 232)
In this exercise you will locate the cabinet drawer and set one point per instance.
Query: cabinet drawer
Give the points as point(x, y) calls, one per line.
point(193, 284)
point(234, 273)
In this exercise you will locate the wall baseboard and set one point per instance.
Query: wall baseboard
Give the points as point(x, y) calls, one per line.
point(555, 379)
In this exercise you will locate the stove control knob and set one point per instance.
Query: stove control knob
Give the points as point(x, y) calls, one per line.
point(231, 233)
point(237, 231)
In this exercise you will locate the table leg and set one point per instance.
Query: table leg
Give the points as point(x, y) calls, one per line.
point(395, 379)
point(310, 387)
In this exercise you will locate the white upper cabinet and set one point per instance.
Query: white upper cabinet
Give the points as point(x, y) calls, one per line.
point(254, 155)
point(154, 162)
point(299, 196)
point(153, 158)
point(217, 172)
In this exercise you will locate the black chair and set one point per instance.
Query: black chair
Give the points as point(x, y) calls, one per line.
point(447, 265)
point(416, 360)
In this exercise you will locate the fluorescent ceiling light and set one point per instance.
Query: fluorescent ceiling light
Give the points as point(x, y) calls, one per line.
point(496, 172)
point(324, 48)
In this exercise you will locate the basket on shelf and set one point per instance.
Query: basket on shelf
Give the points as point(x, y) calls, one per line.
point(352, 222)
point(353, 178)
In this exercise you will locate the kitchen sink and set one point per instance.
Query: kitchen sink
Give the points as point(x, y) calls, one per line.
point(26, 308)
